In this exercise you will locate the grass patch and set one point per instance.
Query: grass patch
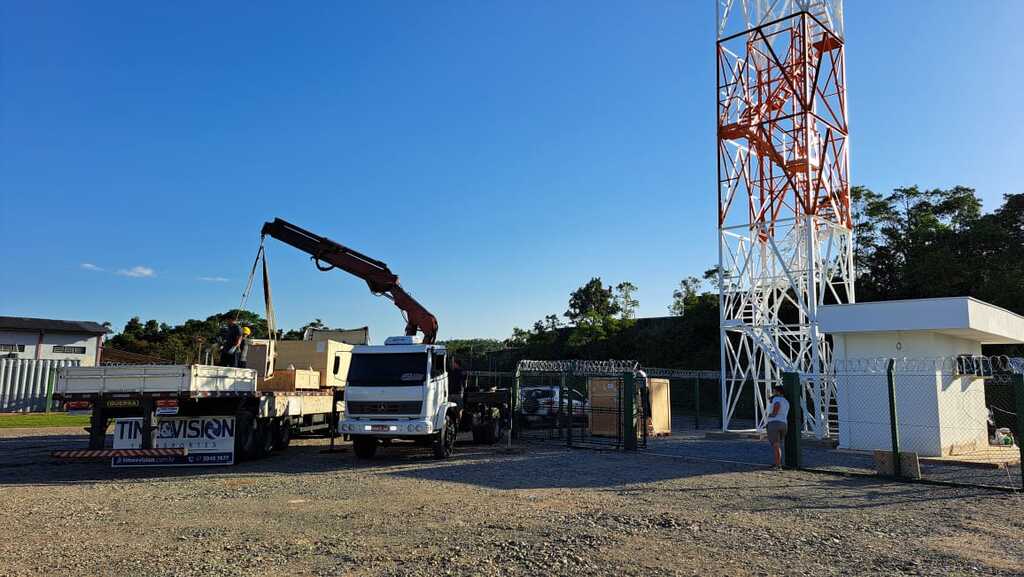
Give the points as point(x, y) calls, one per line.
point(42, 420)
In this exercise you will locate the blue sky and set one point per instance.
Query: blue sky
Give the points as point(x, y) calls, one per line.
point(495, 154)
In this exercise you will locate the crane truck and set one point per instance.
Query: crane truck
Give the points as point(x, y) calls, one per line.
point(399, 390)
point(199, 414)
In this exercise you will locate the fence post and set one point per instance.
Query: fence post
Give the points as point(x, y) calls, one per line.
point(1018, 394)
point(566, 399)
point(897, 469)
point(628, 411)
point(795, 425)
point(49, 388)
point(696, 402)
point(514, 409)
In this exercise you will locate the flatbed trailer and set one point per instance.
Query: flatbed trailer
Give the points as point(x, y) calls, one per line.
point(147, 399)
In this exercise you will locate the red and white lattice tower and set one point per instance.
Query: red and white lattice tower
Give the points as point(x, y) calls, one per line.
point(785, 230)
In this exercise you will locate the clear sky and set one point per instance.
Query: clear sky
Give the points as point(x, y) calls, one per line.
point(495, 154)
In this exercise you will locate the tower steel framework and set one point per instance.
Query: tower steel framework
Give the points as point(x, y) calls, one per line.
point(785, 228)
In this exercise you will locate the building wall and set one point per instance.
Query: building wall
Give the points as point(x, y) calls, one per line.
point(937, 412)
point(29, 340)
point(50, 340)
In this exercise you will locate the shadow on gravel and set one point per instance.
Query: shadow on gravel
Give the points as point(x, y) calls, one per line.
point(553, 468)
point(26, 460)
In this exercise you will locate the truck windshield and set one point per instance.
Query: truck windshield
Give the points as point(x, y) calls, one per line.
point(398, 369)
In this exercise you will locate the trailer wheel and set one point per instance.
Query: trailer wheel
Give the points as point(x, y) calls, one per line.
point(444, 442)
point(364, 447)
point(245, 436)
point(282, 434)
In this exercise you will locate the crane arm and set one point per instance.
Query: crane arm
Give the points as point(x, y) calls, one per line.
point(328, 254)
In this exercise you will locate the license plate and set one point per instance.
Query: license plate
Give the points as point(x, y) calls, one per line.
point(379, 428)
point(121, 403)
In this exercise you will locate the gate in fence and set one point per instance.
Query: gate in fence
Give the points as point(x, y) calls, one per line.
point(582, 403)
point(954, 420)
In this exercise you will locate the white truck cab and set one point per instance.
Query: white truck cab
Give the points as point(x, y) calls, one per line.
point(399, 390)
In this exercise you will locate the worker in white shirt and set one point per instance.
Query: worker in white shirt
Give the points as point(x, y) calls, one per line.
point(778, 422)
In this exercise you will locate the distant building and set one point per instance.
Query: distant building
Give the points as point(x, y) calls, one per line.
point(27, 338)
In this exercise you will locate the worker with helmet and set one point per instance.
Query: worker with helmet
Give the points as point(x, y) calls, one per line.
point(243, 347)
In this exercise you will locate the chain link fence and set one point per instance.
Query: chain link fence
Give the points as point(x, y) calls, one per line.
point(597, 404)
point(955, 420)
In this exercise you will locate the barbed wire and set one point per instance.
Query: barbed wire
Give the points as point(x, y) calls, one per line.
point(962, 365)
point(578, 367)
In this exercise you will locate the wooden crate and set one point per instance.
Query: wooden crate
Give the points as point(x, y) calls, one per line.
point(604, 406)
point(261, 351)
point(329, 358)
point(659, 423)
point(291, 380)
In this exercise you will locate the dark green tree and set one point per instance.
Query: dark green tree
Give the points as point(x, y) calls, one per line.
point(685, 296)
point(624, 298)
point(592, 301)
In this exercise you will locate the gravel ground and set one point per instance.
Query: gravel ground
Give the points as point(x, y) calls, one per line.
point(690, 443)
point(537, 511)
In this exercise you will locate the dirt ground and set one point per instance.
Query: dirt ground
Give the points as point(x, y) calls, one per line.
point(537, 511)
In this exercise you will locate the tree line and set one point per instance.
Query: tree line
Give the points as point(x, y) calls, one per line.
point(187, 342)
point(910, 243)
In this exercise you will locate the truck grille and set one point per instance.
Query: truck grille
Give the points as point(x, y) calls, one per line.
point(383, 407)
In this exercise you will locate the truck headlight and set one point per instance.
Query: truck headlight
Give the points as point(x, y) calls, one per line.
point(420, 428)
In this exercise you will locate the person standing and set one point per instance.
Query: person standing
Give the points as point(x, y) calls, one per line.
point(243, 348)
point(233, 337)
point(778, 423)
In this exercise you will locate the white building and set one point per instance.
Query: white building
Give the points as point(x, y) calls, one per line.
point(28, 338)
point(939, 410)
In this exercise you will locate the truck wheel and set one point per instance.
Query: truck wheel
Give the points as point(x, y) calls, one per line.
point(444, 443)
point(364, 447)
point(245, 436)
point(265, 434)
point(282, 434)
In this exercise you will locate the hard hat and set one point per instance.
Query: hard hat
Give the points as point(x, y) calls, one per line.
point(246, 331)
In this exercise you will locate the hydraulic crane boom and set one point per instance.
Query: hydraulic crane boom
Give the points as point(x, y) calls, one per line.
point(378, 277)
